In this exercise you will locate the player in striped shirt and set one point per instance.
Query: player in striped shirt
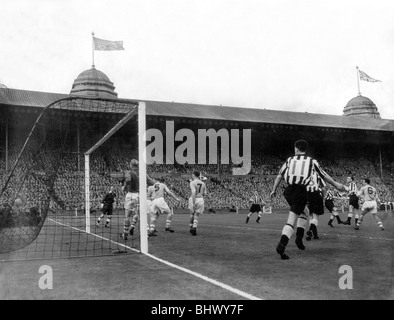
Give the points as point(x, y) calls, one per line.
point(353, 201)
point(370, 196)
point(329, 203)
point(297, 171)
point(315, 207)
point(256, 202)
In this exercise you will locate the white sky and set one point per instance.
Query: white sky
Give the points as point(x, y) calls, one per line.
point(296, 55)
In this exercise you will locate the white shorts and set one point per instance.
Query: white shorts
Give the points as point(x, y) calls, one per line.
point(159, 204)
point(370, 206)
point(198, 206)
point(131, 201)
point(149, 207)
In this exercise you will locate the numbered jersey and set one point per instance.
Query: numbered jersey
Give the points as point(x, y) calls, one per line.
point(368, 193)
point(199, 187)
point(160, 189)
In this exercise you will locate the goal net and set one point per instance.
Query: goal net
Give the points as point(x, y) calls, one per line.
point(51, 198)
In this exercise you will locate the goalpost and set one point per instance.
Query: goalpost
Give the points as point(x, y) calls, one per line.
point(142, 170)
point(44, 189)
point(142, 176)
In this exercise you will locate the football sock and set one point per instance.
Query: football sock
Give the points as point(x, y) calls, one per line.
point(191, 220)
point(152, 226)
point(377, 219)
point(135, 219)
point(301, 224)
point(300, 233)
point(126, 226)
point(284, 240)
point(195, 222)
point(288, 230)
point(108, 221)
point(313, 227)
point(169, 218)
point(99, 219)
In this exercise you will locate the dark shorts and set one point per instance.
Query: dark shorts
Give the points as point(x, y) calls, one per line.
point(107, 210)
point(315, 203)
point(255, 208)
point(353, 201)
point(329, 205)
point(296, 197)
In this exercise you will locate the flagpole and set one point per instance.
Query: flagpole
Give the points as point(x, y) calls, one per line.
point(93, 49)
point(358, 81)
point(380, 162)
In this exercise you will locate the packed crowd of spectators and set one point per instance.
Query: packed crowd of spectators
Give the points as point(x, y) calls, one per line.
point(225, 190)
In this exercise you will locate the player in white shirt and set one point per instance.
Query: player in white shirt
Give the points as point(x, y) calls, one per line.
point(370, 196)
point(150, 213)
point(159, 206)
point(196, 201)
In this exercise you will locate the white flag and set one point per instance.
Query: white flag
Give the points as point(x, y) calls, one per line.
point(365, 77)
point(107, 45)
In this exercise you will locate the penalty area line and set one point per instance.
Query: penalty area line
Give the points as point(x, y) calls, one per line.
point(198, 275)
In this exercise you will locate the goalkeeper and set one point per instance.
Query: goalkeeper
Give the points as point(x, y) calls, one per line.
point(107, 207)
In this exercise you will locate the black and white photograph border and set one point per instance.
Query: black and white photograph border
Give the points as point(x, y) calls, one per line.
point(209, 152)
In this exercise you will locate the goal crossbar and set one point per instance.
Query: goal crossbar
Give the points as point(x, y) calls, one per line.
point(111, 132)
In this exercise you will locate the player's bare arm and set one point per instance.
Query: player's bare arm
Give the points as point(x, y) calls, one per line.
point(169, 192)
point(339, 186)
point(150, 181)
point(277, 182)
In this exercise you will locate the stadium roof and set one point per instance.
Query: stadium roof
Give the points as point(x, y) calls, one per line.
point(25, 98)
point(266, 116)
point(16, 97)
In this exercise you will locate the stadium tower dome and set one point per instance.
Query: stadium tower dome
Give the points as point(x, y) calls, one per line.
point(93, 83)
point(361, 106)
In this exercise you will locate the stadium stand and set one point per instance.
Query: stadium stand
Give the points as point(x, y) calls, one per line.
point(225, 190)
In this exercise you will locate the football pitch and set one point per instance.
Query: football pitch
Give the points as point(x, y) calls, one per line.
point(227, 260)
